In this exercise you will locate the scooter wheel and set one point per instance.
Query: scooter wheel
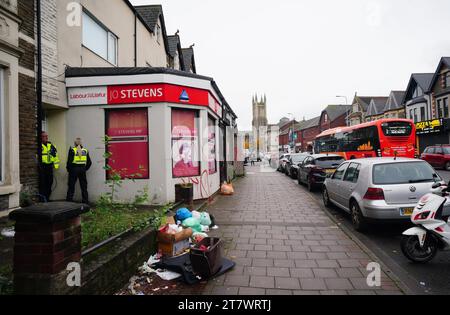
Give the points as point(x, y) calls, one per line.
point(413, 251)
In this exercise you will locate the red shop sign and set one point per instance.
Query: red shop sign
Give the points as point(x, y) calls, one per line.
point(155, 93)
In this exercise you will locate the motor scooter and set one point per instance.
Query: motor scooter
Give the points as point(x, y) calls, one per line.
point(420, 244)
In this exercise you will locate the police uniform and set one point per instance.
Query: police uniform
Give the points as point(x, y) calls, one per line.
point(50, 161)
point(78, 163)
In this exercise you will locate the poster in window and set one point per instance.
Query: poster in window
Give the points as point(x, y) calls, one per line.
point(128, 144)
point(185, 146)
point(212, 160)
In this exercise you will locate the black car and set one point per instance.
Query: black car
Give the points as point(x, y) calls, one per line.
point(293, 162)
point(315, 168)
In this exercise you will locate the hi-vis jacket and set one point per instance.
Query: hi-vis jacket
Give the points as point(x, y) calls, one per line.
point(79, 158)
point(50, 155)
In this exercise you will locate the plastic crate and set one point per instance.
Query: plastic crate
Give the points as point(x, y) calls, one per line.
point(207, 263)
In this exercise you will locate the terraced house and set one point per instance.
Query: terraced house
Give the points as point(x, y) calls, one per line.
point(18, 138)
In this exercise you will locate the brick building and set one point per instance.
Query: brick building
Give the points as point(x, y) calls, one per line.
point(334, 116)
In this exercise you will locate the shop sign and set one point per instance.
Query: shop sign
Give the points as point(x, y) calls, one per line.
point(141, 94)
point(155, 93)
point(87, 96)
point(431, 126)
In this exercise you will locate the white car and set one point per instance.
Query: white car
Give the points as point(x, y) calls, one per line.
point(379, 188)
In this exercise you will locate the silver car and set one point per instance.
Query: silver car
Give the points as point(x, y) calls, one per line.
point(379, 188)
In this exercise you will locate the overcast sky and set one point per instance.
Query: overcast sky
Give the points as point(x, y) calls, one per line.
point(304, 53)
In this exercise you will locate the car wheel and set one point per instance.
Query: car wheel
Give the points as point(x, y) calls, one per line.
point(447, 166)
point(358, 220)
point(326, 197)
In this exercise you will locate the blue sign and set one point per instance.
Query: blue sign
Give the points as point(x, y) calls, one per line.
point(184, 97)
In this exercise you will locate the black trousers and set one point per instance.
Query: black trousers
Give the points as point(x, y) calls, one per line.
point(45, 182)
point(78, 173)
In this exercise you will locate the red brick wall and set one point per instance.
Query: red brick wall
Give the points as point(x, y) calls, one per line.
point(309, 135)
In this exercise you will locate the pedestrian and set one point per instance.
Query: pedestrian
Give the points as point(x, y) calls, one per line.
point(49, 161)
point(78, 163)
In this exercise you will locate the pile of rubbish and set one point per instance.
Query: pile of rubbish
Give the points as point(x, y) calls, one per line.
point(185, 251)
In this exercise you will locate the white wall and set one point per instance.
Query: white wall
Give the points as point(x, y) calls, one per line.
point(88, 122)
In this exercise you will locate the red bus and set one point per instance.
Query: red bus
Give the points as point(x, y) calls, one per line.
point(381, 138)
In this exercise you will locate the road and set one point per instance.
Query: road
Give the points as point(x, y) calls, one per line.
point(384, 241)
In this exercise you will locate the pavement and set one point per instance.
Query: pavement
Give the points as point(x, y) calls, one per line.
point(283, 242)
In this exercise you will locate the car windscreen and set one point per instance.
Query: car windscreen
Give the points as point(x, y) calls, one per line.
point(397, 129)
point(404, 173)
point(329, 162)
point(298, 158)
point(446, 150)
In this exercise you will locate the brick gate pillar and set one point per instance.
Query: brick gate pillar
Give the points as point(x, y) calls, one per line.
point(48, 238)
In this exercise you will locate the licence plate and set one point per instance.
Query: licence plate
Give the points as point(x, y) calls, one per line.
point(330, 171)
point(406, 212)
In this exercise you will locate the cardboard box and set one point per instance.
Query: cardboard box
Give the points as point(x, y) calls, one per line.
point(171, 245)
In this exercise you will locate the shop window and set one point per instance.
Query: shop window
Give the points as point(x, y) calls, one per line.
point(212, 157)
point(185, 145)
point(129, 148)
point(2, 127)
point(99, 39)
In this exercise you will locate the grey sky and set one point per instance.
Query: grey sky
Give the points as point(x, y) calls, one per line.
point(304, 53)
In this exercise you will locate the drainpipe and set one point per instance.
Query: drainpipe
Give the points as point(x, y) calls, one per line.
point(135, 40)
point(39, 80)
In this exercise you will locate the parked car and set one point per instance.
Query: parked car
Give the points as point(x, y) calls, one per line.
point(314, 169)
point(379, 188)
point(438, 156)
point(283, 159)
point(293, 162)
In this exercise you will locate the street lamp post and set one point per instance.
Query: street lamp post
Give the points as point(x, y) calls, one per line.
point(346, 103)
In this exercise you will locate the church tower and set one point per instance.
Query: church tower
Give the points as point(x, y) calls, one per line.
point(259, 112)
point(260, 123)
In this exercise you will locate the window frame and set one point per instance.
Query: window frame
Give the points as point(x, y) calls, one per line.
point(109, 35)
point(214, 124)
point(107, 147)
point(2, 126)
point(197, 142)
point(358, 171)
point(346, 165)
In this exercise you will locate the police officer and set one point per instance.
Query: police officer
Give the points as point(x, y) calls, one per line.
point(49, 161)
point(78, 163)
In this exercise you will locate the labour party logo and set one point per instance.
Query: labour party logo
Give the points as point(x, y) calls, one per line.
point(184, 97)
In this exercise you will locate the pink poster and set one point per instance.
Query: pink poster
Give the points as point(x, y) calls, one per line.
point(185, 146)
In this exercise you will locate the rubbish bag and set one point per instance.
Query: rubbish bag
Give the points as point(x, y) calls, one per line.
point(196, 214)
point(183, 214)
point(227, 189)
point(193, 223)
point(205, 219)
point(198, 237)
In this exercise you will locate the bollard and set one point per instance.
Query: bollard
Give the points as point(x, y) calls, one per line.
point(47, 240)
